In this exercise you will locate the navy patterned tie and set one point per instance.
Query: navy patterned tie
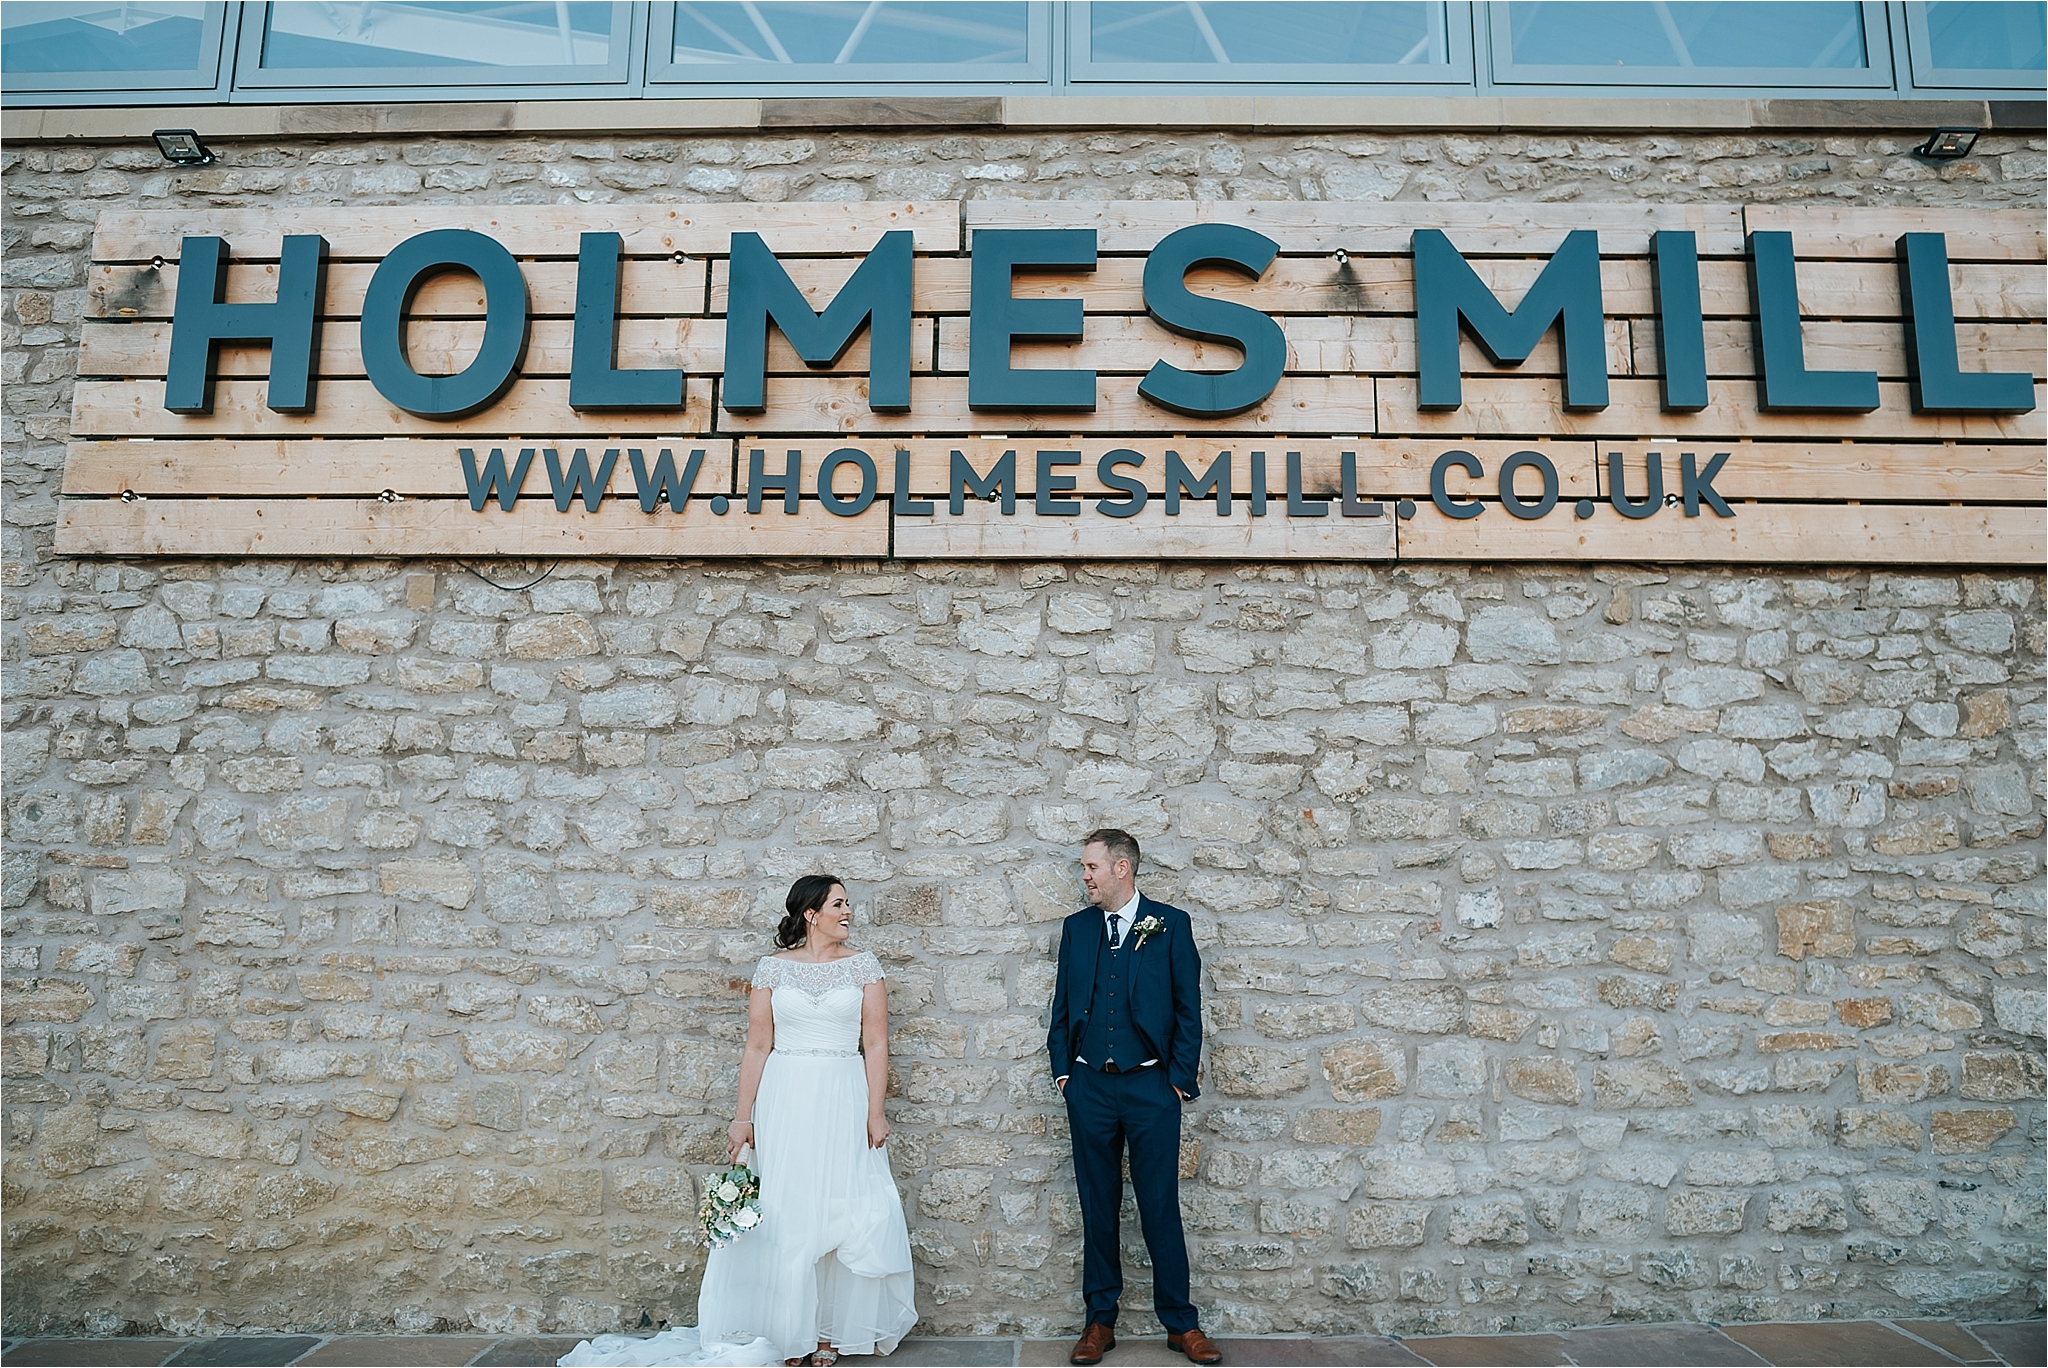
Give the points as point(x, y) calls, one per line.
point(1116, 934)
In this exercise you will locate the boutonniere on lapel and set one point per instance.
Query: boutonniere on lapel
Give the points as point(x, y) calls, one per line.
point(1145, 927)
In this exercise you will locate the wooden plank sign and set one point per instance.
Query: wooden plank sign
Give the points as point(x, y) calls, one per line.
point(937, 380)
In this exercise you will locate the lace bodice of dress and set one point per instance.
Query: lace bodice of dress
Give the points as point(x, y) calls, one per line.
point(817, 1006)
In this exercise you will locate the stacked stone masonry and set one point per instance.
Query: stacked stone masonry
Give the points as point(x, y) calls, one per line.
point(61, 187)
point(1579, 944)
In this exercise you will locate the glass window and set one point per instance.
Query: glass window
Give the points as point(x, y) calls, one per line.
point(1786, 42)
point(395, 34)
point(1266, 40)
point(163, 45)
point(863, 33)
point(1987, 37)
point(137, 52)
point(442, 42)
point(866, 42)
point(1233, 33)
point(1977, 44)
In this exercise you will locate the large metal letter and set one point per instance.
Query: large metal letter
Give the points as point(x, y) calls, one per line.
point(663, 484)
point(1181, 480)
point(996, 318)
point(1297, 506)
point(900, 501)
point(1134, 493)
point(1051, 500)
point(1448, 292)
point(398, 278)
point(1782, 379)
point(1511, 499)
point(494, 481)
point(759, 480)
point(578, 481)
point(835, 503)
point(1168, 299)
point(1681, 331)
point(1939, 383)
point(877, 295)
point(595, 384)
point(1698, 485)
point(961, 480)
point(203, 320)
point(1440, 493)
point(1617, 488)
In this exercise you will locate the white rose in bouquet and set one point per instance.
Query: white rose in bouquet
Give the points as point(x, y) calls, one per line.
point(731, 1206)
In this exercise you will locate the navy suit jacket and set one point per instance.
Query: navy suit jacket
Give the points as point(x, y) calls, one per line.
point(1165, 992)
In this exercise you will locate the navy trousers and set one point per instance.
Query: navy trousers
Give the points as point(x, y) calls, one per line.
point(1105, 1112)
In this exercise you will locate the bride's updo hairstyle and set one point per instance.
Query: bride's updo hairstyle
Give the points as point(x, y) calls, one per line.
point(807, 894)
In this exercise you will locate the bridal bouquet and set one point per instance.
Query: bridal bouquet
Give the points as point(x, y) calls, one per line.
point(731, 1206)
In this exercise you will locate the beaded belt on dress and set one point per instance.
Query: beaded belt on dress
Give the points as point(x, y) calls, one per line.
point(819, 1054)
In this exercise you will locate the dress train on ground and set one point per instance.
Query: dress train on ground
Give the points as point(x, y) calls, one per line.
point(831, 1257)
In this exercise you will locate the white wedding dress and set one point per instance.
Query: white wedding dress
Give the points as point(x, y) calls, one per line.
point(831, 1257)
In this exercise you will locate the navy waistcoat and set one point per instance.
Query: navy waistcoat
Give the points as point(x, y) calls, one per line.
point(1109, 1038)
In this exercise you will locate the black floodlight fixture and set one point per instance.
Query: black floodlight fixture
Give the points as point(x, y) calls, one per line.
point(1947, 144)
point(181, 147)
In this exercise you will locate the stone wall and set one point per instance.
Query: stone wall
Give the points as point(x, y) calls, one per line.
point(1579, 944)
point(51, 186)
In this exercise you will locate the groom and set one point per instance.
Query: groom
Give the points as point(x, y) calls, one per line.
point(1126, 1037)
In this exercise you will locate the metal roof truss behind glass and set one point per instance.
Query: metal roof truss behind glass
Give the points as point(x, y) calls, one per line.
point(860, 47)
point(534, 48)
point(1201, 44)
point(105, 52)
point(1977, 46)
point(168, 47)
point(1602, 44)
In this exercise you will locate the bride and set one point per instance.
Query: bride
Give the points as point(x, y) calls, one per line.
point(827, 1272)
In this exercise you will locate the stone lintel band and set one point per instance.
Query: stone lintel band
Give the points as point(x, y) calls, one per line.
point(1243, 113)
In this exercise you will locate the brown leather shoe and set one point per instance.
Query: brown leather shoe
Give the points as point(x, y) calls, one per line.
point(1197, 1346)
point(1097, 1340)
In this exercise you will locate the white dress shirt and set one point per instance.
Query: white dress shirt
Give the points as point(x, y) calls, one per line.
point(1128, 914)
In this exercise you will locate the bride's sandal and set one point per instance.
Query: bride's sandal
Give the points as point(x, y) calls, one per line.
point(825, 1358)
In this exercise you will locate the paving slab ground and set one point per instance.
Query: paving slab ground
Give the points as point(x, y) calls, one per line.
point(405, 1351)
point(1511, 1351)
point(1821, 1344)
point(1843, 1343)
point(111, 1352)
point(2016, 1341)
point(1670, 1346)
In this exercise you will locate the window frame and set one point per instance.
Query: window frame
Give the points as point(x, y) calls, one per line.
point(669, 78)
point(1481, 65)
point(1927, 76)
point(191, 85)
point(1083, 71)
point(1507, 75)
point(619, 77)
